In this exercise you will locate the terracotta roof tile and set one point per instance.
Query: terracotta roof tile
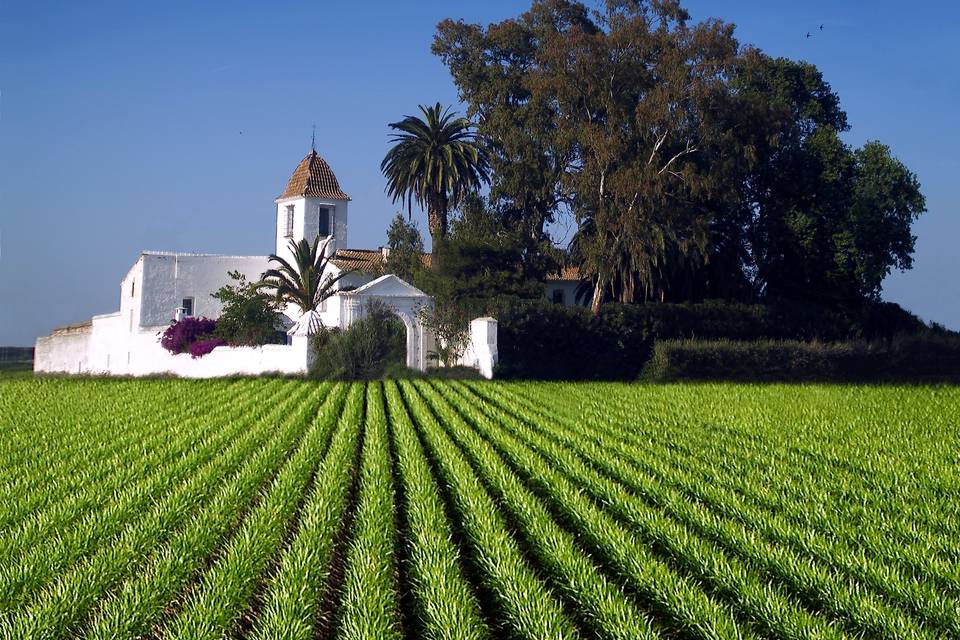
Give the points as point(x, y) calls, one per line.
point(566, 273)
point(368, 260)
point(313, 177)
point(364, 260)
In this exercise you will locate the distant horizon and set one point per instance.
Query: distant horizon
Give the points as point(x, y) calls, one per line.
point(126, 128)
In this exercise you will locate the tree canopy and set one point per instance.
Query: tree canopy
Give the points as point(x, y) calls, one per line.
point(692, 165)
point(435, 163)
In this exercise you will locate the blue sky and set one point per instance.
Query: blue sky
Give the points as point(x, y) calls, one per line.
point(127, 126)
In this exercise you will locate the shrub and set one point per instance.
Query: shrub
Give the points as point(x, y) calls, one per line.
point(249, 316)
point(544, 341)
point(919, 358)
point(364, 351)
point(181, 334)
point(539, 340)
point(450, 324)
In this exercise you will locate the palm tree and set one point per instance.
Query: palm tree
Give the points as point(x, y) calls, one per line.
point(303, 283)
point(435, 162)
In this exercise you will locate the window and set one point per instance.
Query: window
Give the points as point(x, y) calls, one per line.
point(187, 306)
point(324, 226)
point(558, 297)
point(288, 233)
point(133, 287)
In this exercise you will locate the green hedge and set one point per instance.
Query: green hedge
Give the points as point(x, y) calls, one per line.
point(932, 357)
point(540, 340)
point(547, 341)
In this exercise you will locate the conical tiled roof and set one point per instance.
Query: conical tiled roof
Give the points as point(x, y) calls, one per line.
point(313, 178)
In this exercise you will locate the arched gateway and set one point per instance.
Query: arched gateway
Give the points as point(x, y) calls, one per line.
point(405, 301)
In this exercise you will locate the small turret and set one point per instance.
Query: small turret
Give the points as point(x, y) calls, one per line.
point(312, 205)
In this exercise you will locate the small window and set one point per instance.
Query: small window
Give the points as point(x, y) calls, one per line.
point(133, 287)
point(323, 228)
point(187, 306)
point(558, 297)
point(288, 233)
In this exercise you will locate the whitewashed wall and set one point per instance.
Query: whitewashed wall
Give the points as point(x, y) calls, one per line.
point(311, 224)
point(106, 349)
point(63, 351)
point(306, 222)
point(568, 287)
point(404, 300)
point(127, 342)
point(167, 278)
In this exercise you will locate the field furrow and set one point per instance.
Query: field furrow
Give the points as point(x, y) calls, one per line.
point(296, 510)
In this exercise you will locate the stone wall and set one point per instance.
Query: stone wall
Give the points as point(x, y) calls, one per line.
point(63, 351)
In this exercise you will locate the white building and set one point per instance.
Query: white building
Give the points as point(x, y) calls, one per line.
point(161, 286)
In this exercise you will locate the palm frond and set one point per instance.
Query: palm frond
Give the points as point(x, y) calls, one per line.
point(302, 282)
point(435, 159)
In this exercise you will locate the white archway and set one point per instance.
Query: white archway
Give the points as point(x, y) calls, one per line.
point(405, 301)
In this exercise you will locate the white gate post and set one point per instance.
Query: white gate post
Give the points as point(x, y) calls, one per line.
point(483, 341)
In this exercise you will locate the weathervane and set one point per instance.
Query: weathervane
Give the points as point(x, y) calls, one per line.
point(313, 139)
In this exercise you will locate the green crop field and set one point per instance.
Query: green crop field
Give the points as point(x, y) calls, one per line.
point(290, 509)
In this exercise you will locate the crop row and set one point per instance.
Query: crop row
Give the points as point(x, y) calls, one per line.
point(440, 510)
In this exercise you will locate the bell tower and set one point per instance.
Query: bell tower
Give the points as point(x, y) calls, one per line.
point(312, 205)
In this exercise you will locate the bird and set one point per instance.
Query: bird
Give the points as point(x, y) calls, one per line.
point(821, 27)
point(808, 34)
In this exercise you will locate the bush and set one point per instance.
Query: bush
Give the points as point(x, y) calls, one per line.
point(181, 334)
point(919, 358)
point(249, 316)
point(364, 351)
point(540, 340)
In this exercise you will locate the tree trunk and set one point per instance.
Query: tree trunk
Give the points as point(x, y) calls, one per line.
point(597, 297)
point(437, 225)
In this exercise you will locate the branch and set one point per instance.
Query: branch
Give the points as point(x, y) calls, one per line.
point(690, 149)
point(656, 147)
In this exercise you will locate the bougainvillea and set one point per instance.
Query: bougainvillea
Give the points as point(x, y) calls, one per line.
point(202, 347)
point(180, 335)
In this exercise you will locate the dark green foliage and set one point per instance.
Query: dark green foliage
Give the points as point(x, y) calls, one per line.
point(435, 162)
point(539, 340)
point(484, 257)
point(481, 263)
point(547, 341)
point(405, 244)
point(930, 357)
point(16, 354)
point(249, 316)
point(453, 373)
point(305, 282)
point(364, 351)
point(695, 167)
point(819, 220)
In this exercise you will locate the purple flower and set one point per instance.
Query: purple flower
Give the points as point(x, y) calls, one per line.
point(203, 347)
point(178, 337)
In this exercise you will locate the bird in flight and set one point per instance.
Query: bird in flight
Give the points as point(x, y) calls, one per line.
point(808, 34)
point(821, 27)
